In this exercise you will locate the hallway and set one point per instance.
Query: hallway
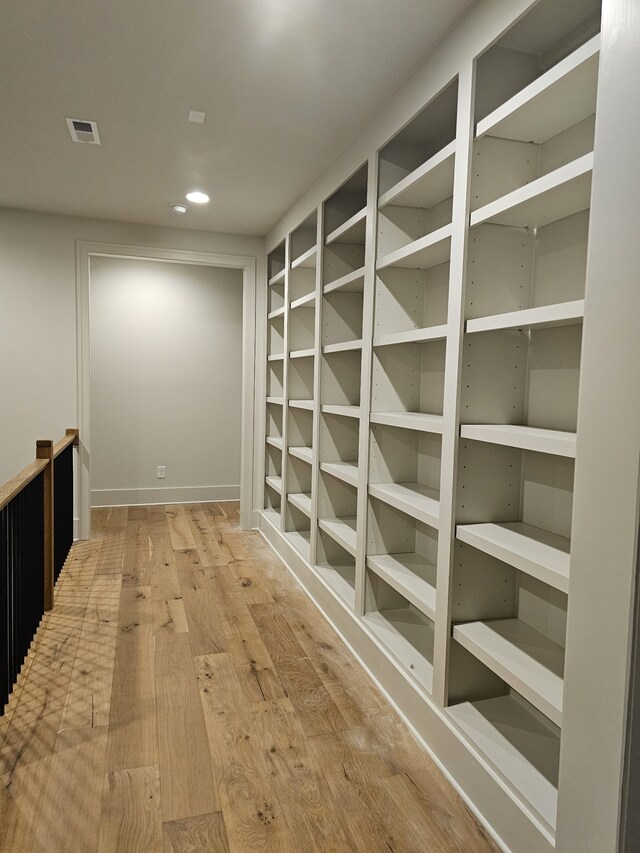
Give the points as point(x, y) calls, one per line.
point(185, 695)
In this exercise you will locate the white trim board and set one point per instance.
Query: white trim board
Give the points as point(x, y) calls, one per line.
point(164, 495)
point(84, 252)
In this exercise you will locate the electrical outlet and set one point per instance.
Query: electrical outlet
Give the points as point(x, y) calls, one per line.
point(162, 472)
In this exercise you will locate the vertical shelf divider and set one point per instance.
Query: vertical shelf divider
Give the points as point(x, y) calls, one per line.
point(365, 381)
point(317, 366)
point(285, 385)
point(451, 407)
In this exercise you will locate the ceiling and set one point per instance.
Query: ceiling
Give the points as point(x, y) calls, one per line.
point(285, 84)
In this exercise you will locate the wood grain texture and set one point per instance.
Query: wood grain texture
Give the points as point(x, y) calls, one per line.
point(131, 811)
point(235, 719)
point(202, 834)
point(186, 775)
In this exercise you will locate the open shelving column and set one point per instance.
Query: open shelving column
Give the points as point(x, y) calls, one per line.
point(524, 303)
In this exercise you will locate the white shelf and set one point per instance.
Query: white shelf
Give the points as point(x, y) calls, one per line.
point(409, 420)
point(527, 660)
point(421, 502)
point(307, 260)
point(413, 336)
point(345, 411)
point(307, 299)
point(529, 549)
point(275, 441)
point(342, 530)
point(275, 401)
point(303, 453)
point(426, 186)
point(344, 346)
point(302, 353)
point(279, 312)
point(408, 636)
point(557, 100)
point(300, 539)
point(352, 282)
point(348, 232)
point(551, 441)
point(345, 471)
point(524, 750)
point(279, 356)
point(422, 254)
point(340, 577)
point(278, 278)
point(274, 483)
point(546, 316)
point(409, 574)
point(301, 404)
point(300, 501)
point(559, 194)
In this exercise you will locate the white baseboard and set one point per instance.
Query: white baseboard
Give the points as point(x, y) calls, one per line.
point(164, 495)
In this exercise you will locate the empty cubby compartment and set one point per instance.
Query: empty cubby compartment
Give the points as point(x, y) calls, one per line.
point(400, 628)
point(341, 317)
point(298, 530)
point(522, 377)
point(274, 420)
point(398, 226)
point(304, 237)
point(298, 477)
point(272, 499)
point(275, 336)
point(498, 484)
point(340, 260)
point(300, 428)
point(276, 261)
point(404, 552)
point(398, 455)
point(337, 567)
point(302, 282)
point(336, 499)
point(346, 201)
point(407, 300)
point(431, 130)
point(301, 378)
point(513, 269)
point(548, 33)
point(338, 439)
point(501, 166)
point(408, 378)
point(274, 378)
point(276, 297)
point(340, 378)
point(302, 328)
point(273, 461)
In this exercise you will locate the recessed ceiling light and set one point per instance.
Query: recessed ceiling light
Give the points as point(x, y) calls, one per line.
point(178, 208)
point(197, 197)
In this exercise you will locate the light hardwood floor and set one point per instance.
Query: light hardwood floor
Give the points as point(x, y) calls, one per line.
point(185, 695)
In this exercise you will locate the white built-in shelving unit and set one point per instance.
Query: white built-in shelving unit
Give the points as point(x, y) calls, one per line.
point(424, 348)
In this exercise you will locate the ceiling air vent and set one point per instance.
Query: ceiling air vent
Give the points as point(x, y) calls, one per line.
point(82, 130)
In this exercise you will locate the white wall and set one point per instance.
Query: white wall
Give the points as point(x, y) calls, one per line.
point(166, 381)
point(38, 369)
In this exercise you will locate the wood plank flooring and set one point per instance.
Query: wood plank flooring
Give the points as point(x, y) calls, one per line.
point(185, 695)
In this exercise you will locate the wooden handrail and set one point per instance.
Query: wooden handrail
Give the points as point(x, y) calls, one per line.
point(14, 486)
point(72, 437)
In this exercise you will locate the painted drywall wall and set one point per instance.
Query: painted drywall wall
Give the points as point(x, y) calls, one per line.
point(38, 366)
point(166, 381)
